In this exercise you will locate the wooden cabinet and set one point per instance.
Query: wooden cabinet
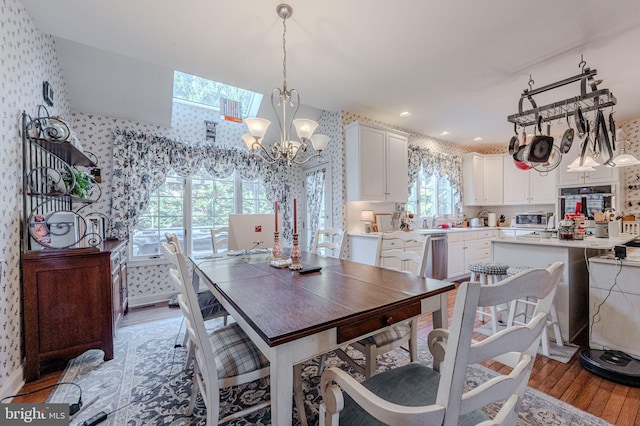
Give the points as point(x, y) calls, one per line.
point(377, 164)
point(601, 174)
point(465, 247)
point(68, 303)
point(523, 187)
point(482, 179)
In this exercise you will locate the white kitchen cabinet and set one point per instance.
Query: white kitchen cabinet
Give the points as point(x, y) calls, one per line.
point(482, 179)
point(465, 247)
point(602, 174)
point(455, 258)
point(523, 187)
point(376, 163)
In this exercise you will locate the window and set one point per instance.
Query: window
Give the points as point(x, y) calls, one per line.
point(192, 89)
point(195, 204)
point(431, 195)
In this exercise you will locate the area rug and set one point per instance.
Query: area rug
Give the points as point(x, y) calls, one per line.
point(145, 384)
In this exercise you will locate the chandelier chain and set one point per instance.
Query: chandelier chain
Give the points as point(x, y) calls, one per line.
point(284, 50)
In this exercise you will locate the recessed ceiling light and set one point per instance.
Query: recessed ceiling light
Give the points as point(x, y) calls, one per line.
point(477, 139)
point(405, 114)
point(445, 133)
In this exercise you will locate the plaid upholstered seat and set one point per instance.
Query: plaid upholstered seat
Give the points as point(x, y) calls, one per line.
point(392, 334)
point(234, 352)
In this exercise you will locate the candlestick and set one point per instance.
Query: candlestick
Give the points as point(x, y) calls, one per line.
point(276, 251)
point(295, 253)
point(276, 208)
point(295, 218)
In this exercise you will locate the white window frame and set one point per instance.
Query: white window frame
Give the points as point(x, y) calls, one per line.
point(417, 207)
point(157, 259)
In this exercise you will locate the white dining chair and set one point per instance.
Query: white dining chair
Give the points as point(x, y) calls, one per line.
point(225, 357)
point(220, 239)
point(416, 394)
point(328, 242)
point(403, 251)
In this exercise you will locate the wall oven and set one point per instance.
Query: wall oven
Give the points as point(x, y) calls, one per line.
point(587, 199)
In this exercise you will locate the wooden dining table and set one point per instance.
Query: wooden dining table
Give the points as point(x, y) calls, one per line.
point(292, 317)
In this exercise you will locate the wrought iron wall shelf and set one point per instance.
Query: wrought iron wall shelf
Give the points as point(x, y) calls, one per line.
point(53, 197)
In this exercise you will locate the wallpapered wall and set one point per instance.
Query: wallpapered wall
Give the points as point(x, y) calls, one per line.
point(630, 183)
point(27, 58)
point(148, 283)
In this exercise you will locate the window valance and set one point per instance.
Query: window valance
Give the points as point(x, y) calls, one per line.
point(436, 162)
point(141, 162)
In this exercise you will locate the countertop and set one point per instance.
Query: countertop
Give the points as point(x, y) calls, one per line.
point(589, 241)
point(448, 230)
point(632, 259)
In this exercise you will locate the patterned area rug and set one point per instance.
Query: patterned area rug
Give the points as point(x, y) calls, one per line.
point(145, 384)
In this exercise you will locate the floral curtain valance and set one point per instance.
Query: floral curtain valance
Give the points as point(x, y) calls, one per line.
point(432, 162)
point(141, 163)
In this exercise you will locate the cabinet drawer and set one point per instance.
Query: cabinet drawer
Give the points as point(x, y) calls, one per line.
point(452, 237)
point(471, 235)
point(489, 233)
point(391, 244)
point(360, 328)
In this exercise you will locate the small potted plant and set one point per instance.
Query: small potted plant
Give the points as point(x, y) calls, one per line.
point(78, 182)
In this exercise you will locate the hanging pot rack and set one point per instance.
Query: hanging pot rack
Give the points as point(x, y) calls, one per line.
point(587, 101)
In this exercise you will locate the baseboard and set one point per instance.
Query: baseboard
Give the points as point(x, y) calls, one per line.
point(141, 301)
point(13, 384)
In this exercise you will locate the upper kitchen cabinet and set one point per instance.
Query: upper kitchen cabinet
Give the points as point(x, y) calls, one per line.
point(482, 179)
point(527, 186)
point(601, 174)
point(377, 163)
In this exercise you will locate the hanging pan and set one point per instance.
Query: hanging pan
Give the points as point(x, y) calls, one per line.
point(540, 147)
point(514, 143)
point(567, 137)
point(518, 159)
point(581, 123)
point(554, 161)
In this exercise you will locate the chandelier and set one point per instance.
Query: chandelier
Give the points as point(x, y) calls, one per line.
point(284, 101)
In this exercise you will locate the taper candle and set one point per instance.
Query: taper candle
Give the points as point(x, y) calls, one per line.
point(276, 215)
point(295, 217)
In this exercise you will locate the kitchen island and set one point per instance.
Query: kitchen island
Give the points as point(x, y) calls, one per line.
point(572, 296)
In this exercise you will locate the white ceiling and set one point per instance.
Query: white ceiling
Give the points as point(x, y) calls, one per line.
point(457, 65)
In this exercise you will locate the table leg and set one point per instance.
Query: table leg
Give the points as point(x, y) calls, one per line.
point(281, 371)
point(440, 320)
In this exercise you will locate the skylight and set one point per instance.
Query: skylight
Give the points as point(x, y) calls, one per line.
point(192, 89)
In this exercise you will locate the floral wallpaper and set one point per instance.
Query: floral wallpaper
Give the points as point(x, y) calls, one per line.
point(27, 58)
point(630, 179)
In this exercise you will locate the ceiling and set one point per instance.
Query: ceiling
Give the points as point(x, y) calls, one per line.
point(457, 65)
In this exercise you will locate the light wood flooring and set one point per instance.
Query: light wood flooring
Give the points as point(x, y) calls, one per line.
point(617, 404)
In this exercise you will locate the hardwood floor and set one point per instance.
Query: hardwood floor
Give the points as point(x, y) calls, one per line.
point(617, 404)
